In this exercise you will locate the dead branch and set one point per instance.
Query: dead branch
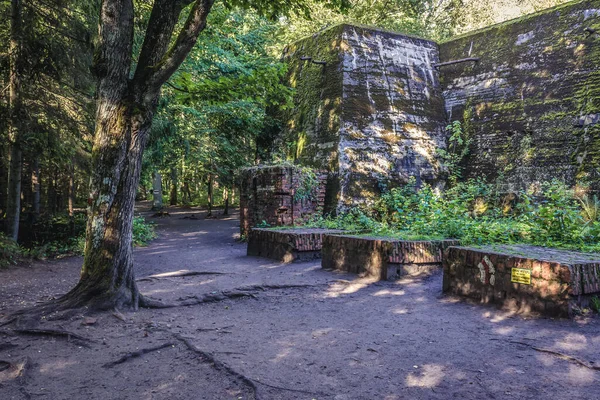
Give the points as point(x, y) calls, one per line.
point(559, 354)
point(136, 354)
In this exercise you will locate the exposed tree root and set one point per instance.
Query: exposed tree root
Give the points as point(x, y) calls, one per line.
point(218, 365)
point(560, 355)
point(244, 291)
point(13, 370)
point(83, 341)
point(178, 274)
point(6, 346)
point(136, 354)
point(248, 381)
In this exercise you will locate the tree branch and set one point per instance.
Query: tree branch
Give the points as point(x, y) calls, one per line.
point(186, 40)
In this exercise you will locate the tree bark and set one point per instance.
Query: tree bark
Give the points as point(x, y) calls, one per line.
point(35, 187)
point(13, 206)
point(210, 194)
point(226, 201)
point(173, 194)
point(157, 199)
point(124, 110)
point(72, 198)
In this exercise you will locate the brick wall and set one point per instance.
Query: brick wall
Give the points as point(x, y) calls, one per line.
point(557, 278)
point(267, 194)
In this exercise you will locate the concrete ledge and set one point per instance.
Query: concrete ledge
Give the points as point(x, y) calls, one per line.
point(523, 278)
point(383, 258)
point(287, 245)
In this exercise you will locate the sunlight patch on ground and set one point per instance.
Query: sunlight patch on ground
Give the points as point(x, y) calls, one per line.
point(573, 341)
point(387, 292)
point(426, 376)
point(338, 289)
point(54, 367)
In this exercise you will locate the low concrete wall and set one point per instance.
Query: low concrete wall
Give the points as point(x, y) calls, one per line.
point(383, 258)
point(523, 278)
point(287, 245)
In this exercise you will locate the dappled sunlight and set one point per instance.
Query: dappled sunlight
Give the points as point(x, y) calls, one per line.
point(427, 376)
point(55, 367)
point(505, 330)
point(387, 292)
point(581, 376)
point(342, 287)
point(572, 341)
point(401, 311)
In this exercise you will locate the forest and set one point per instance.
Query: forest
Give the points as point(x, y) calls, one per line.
point(133, 131)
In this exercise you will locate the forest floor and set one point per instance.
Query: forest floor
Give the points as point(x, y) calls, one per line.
point(274, 331)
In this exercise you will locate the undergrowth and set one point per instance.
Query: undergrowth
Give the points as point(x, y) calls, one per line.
point(477, 213)
point(63, 244)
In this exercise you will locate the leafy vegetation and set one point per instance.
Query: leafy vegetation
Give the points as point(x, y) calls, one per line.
point(59, 236)
point(478, 213)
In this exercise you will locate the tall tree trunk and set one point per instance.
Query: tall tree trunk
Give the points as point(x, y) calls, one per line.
point(35, 187)
point(13, 206)
point(157, 200)
point(173, 194)
point(125, 107)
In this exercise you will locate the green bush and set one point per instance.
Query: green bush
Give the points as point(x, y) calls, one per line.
point(10, 252)
point(143, 231)
point(477, 213)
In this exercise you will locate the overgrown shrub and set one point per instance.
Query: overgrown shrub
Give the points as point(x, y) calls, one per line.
point(10, 252)
point(477, 213)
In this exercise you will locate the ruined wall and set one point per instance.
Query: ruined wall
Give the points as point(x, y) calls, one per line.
point(268, 195)
point(532, 101)
point(373, 114)
point(392, 112)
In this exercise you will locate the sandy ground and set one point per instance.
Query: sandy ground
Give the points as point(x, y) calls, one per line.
point(295, 332)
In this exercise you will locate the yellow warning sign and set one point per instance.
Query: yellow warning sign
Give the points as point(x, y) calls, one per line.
point(520, 275)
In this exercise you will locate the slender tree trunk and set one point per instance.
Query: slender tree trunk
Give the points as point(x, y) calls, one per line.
point(226, 201)
point(35, 187)
point(3, 178)
point(157, 200)
point(173, 194)
point(210, 194)
point(72, 198)
point(13, 206)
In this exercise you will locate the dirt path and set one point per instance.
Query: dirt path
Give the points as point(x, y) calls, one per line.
point(331, 336)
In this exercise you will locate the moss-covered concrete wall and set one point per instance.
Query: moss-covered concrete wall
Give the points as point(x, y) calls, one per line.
point(532, 101)
point(376, 112)
point(372, 116)
point(392, 117)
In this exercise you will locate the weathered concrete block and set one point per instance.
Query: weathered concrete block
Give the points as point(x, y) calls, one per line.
point(373, 114)
point(523, 278)
point(268, 193)
point(287, 245)
point(383, 258)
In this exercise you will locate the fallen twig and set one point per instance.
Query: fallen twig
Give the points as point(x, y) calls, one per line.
point(136, 354)
point(559, 354)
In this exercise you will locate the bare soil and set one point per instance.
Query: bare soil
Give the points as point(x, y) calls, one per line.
point(274, 331)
